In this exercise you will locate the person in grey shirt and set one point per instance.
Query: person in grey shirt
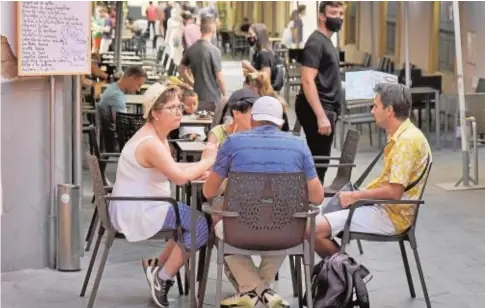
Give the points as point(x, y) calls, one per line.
point(204, 60)
point(113, 100)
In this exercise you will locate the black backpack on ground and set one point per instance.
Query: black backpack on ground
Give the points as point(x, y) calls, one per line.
point(337, 282)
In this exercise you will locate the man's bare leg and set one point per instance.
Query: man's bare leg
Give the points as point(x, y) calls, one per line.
point(324, 246)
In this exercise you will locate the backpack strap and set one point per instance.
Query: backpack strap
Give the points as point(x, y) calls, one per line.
point(416, 182)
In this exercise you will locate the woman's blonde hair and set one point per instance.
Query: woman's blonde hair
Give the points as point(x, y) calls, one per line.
point(262, 82)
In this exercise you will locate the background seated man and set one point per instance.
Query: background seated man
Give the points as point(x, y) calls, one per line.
point(264, 148)
point(405, 159)
point(113, 100)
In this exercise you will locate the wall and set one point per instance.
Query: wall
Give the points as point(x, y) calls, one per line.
point(420, 14)
point(25, 167)
point(473, 20)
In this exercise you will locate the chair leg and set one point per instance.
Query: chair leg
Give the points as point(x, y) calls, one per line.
point(293, 276)
point(91, 262)
point(205, 274)
point(109, 242)
point(220, 264)
point(277, 277)
point(407, 270)
point(308, 285)
point(180, 284)
point(91, 230)
point(187, 283)
point(299, 280)
point(91, 224)
point(359, 245)
point(421, 277)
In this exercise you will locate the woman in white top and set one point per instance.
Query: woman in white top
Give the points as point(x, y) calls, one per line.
point(146, 168)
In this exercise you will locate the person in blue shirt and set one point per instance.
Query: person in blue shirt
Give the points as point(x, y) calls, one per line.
point(113, 100)
point(264, 148)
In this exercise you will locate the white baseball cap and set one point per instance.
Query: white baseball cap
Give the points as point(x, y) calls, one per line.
point(268, 108)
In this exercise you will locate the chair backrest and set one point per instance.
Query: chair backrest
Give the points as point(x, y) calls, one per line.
point(127, 124)
point(266, 203)
point(425, 182)
point(475, 104)
point(347, 156)
point(480, 85)
point(99, 191)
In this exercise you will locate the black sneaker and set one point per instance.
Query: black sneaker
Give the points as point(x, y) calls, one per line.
point(160, 289)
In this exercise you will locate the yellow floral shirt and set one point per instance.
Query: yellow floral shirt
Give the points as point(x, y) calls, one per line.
point(405, 158)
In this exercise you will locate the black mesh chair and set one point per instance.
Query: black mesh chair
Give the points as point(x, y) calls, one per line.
point(127, 124)
point(408, 236)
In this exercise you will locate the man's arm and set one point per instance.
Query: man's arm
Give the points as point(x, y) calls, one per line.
point(117, 104)
point(404, 157)
point(184, 70)
point(219, 172)
point(217, 67)
point(315, 187)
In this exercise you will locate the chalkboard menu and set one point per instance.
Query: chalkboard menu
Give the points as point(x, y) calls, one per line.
point(54, 38)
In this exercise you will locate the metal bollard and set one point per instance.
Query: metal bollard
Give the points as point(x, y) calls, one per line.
point(68, 228)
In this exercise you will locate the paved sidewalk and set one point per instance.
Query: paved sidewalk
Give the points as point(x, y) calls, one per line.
point(451, 238)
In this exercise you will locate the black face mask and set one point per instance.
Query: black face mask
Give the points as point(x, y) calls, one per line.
point(334, 24)
point(251, 41)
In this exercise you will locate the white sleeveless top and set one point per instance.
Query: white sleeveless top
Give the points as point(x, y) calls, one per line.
point(138, 220)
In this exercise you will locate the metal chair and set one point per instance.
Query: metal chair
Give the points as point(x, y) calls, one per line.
point(103, 159)
point(266, 214)
point(408, 236)
point(101, 202)
point(345, 165)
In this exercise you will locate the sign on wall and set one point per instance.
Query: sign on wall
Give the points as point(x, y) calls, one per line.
point(53, 38)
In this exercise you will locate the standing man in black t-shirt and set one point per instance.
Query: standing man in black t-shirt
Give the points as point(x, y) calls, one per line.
point(318, 103)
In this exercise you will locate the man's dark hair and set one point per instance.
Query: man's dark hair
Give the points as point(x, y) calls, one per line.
point(207, 23)
point(151, 2)
point(396, 95)
point(239, 105)
point(135, 71)
point(186, 15)
point(324, 4)
point(301, 8)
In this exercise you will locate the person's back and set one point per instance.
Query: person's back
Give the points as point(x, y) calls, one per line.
point(267, 149)
point(112, 100)
point(152, 13)
point(200, 58)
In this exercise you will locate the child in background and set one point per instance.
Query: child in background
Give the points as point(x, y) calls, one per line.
point(191, 102)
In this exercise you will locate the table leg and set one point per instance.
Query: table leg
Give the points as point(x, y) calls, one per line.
point(437, 109)
point(193, 251)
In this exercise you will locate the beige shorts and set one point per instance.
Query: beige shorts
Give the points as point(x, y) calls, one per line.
point(366, 219)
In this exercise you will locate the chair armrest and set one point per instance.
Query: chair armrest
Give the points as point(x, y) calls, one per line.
point(108, 161)
point(108, 155)
point(370, 202)
point(367, 202)
point(172, 202)
point(325, 158)
point(335, 165)
point(314, 211)
point(210, 210)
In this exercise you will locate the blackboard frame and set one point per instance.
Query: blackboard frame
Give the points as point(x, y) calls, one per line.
point(53, 73)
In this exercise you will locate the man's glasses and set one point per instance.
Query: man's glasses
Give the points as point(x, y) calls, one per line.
point(173, 109)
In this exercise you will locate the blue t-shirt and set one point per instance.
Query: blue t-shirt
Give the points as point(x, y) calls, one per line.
point(264, 149)
point(112, 99)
